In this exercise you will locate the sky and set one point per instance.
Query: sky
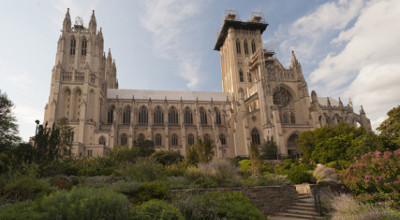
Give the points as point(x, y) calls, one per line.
point(347, 48)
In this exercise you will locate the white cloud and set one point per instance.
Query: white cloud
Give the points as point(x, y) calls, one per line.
point(26, 116)
point(173, 34)
point(22, 80)
point(307, 33)
point(369, 61)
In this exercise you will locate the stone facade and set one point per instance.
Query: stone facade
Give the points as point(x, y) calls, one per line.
point(261, 99)
point(269, 199)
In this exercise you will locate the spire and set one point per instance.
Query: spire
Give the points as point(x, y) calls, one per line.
point(328, 101)
point(93, 23)
point(109, 57)
point(350, 103)
point(67, 21)
point(294, 61)
point(314, 97)
point(362, 112)
point(340, 103)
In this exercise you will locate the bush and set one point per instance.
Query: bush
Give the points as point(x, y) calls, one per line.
point(85, 203)
point(323, 174)
point(213, 174)
point(267, 180)
point(375, 177)
point(141, 171)
point(97, 181)
point(245, 167)
point(156, 209)
point(150, 190)
point(214, 205)
point(167, 157)
point(177, 182)
point(348, 208)
point(24, 185)
point(296, 172)
point(21, 211)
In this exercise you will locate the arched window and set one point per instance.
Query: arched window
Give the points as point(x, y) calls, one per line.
point(285, 118)
point(246, 48)
point(143, 115)
point(238, 46)
point(124, 140)
point(173, 116)
point(222, 139)
point(141, 138)
point(292, 118)
point(110, 115)
point(241, 78)
point(217, 116)
point(158, 140)
point(188, 117)
point(207, 137)
point(249, 77)
point(77, 104)
point(255, 137)
point(126, 116)
point(190, 140)
point(102, 141)
point(253, 46)
point(292, 146)
point(84, 47)
point(174, 140)
point(73, 46)
point(158, 116)
point(203, 116)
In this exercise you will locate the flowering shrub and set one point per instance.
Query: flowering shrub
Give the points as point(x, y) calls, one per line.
point(375, 177)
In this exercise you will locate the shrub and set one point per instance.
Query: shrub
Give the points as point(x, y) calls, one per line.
point(375, 177)
point(156, 209)
point(61, 182)
point(177, 182)
point(348, 208)
point(150, 190)
point(85, 203)
point(141, 171)
point(295, 171)
point(269, 150)
point(24, 185)
point(97, 181)
point(324, 174)
point(127, 188)
point(213, 174)
point(21, 211)
point(215, 205)
point(245, 167)
point(167, 157)
point(267, 180)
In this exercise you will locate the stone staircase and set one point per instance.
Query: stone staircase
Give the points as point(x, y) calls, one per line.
point(303, 208)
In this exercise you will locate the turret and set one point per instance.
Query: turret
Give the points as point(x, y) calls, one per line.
point(92, 24)
point(67, 21)
point(296, 67)
point(340, 103)
point(314, 98)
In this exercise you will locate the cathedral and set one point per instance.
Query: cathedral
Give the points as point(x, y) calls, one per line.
point(260, 99)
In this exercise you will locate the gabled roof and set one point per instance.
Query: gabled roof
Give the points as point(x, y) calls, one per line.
point(166, 94)
point(324, 101)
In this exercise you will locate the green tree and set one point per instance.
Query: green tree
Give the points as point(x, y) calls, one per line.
point(269, 150)
point(8, 125)
point(145, 147)
point(391, 126)
point(205, 149)
point(65, 144)
point(47, 142)
point(192, 156)
point(255, 159)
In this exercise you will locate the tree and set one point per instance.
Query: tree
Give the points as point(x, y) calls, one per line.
point(391, 126)
point(47, 142)
point(146, 147)
point(255, 159)
point(205, 149)
point(269, 150)
point(65, 136)
point(8, 126)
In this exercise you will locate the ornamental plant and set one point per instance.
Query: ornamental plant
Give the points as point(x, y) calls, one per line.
point(375, 177)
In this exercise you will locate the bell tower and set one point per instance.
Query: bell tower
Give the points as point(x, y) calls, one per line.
point(237, 42)
point(79, 79)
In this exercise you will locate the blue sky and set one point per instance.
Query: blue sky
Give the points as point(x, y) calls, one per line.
point(348, 48)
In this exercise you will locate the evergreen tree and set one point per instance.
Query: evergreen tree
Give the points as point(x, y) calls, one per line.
point(8, 126)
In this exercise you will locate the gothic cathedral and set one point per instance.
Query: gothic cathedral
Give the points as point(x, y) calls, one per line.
point(261, 99)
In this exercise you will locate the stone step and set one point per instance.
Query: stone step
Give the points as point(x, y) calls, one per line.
point(305, 208)
point(300, 216)
point(303, 212)
point(306, 204)
point(303, 196)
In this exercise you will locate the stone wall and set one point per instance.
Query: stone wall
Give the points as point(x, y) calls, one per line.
point(269, 199)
